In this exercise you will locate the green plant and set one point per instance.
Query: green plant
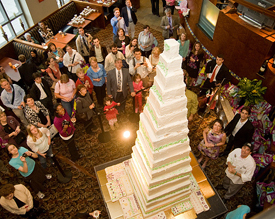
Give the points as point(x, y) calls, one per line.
point(251, 90)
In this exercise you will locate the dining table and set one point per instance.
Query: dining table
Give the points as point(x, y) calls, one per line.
point(12, 73)
point(86, 22)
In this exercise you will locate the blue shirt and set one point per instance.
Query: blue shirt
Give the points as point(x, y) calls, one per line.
point(122, 25)
point(16, 162)
point(100, 74)
point(60, 64)
point(238, 213)
point(19, 94)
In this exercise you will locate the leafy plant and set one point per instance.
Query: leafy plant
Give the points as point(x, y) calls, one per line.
point(251, 90)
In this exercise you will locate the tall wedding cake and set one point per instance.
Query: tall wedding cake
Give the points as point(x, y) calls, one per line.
point(160, 165)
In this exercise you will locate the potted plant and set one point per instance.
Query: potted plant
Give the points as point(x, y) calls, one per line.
point(251, 91)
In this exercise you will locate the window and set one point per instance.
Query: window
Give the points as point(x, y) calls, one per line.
point(11, 16)
point(61, 2)
point(208, 18)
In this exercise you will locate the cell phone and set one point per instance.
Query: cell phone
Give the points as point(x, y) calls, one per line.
point(24, 155)
point(141, 63)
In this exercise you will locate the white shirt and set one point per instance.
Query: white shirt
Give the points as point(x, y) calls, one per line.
point(238, 127)
point(68, 59)
point(129, 14)
point(40, 144)
point(244, 166)
point(43, 95)
point(98, 54)
point(119, 89)
point(209, 75)
point(110, 60)
point(141, 70)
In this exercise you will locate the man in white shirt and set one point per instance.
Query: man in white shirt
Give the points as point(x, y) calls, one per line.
point(112, 57)
point(239, 130)
point(140, 65)
point(83, 44)
point(241, 167)
point(128, 13)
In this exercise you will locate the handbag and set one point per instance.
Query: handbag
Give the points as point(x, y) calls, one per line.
point(53, 130)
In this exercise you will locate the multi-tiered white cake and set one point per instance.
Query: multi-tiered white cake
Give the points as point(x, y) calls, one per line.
point(160, 165)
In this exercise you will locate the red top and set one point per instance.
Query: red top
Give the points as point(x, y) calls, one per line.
point(86, 78)
point(111, 113)
point(54, 72)
point(138, 87)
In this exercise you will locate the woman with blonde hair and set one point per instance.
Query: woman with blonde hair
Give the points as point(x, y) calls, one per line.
point(39, 141)
point(154, 60)
point(184, 48)
point(98, 76)
point(65, 90)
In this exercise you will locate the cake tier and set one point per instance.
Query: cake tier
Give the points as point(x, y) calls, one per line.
point(161, 184)
point(163, 122)
point(171, 70)
point(164, 108)
point(167, 150)
point(156, 142)
point(160, 203)
point(176, 88)
point(171, 48)
point(157, 169)
point(156, 166)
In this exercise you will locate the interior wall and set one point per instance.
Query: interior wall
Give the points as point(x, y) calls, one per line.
point(244, 50)
point(36, 11)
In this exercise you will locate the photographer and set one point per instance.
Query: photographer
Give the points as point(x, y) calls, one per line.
point(20, 160)
point(142, 66)
point(65, 127)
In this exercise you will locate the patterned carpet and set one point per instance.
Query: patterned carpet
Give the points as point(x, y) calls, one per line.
point(82, 193)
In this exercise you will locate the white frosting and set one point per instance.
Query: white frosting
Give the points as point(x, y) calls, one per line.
point(169, 78)
point(160, 165)
point(164, 108)
point(171, 48)
point(176, 86)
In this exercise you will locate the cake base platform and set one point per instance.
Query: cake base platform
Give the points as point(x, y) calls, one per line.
point(217, 207)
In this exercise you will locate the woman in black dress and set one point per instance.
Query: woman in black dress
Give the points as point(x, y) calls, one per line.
point(122, 41)
point(193, 62)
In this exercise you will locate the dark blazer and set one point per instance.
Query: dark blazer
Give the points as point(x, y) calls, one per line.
point(26, 70)
point(223, 72)
point(112, 82)
point(244, 134)
point(35, 92)
point(124, 14)
point(103, 51)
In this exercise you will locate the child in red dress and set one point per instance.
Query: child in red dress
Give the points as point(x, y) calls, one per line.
point(111, 112)
point(137, 84)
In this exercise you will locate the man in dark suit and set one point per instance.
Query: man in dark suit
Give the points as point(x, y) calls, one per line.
point(41, 91)
point(26, 70)
point(99, 51)
point(240, 130)
point(128, 13)
point(117, 80)
point(216, 71)
point(169, 23)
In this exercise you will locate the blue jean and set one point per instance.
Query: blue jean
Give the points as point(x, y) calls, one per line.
point(42, 160)
point(68, 106)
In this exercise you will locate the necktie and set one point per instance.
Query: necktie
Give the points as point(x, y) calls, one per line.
point(213, 74)
point(119, 81)
point(84, 41)
point(170, 24)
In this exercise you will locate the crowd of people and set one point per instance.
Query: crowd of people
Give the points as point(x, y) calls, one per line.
point(130, 65)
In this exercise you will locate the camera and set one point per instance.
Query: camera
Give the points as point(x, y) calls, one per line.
point(24, 155)
point(65, 122)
